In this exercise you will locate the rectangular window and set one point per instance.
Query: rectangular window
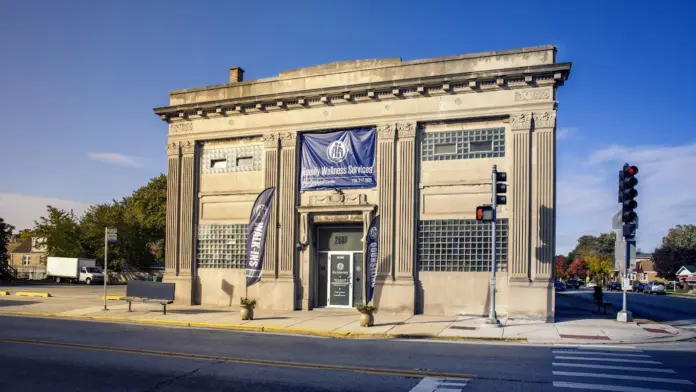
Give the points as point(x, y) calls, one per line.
point(218, 163)
point(26, 260)
point(481, 146)
point(245, 161)
point(221, 246)
point(449, 148)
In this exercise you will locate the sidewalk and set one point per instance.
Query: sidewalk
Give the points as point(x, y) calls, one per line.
point(580, 326)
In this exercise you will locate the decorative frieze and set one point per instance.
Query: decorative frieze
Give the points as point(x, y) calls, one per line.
point(173, 149)
point(181, 127)
point(288, 139)
point(406, 130)
point(338, 198)
point(532, 95)
point(188, 147)
point(270, 140)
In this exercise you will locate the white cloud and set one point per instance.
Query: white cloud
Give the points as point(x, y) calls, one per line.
point(565, 133)
point(116, 159)
point(587, 192)
point(22, 210)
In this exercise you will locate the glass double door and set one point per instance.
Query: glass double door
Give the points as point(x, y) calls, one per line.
point(340, 279)
point(340, 267)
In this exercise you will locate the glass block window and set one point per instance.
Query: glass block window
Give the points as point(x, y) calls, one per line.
point(221, 246)
point(232, 159)
point(461, 245)
point(463, 144)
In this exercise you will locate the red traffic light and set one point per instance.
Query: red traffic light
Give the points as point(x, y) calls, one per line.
point(632, 170)
point(479, 213)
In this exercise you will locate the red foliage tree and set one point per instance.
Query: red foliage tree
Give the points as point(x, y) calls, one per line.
point(578, 268)
point(560, 267)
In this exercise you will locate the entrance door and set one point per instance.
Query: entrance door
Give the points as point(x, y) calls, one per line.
point(340, 285)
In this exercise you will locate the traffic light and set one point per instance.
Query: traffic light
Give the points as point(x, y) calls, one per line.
point(628, 193)
point(484, 213)
point(500, 187)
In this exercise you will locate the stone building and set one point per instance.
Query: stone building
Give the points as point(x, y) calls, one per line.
point(438, 124)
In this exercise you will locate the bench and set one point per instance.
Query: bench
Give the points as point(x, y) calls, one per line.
point(149, 292)
point(602, 304)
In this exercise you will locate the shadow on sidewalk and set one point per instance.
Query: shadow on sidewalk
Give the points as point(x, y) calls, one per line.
point(4, 303)
point(571, 307)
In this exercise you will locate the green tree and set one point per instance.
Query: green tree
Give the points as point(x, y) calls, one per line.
point(147, 208)
point(602, 245)
point(5, 235)
point(25, 234)
point(680, 236)
point(60, 233)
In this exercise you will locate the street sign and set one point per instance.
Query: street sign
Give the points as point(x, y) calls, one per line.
point(111, 235)
point(626, 284)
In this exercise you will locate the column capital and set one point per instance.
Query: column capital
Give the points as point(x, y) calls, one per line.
point(545, 120)
point(188, 147)
point(288, 139)
point(406, 130)
point(173, 149)
point(270, 140)
point(386, 131)
point(521, 121)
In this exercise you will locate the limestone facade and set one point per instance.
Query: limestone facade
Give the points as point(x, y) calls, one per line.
point(441, 124)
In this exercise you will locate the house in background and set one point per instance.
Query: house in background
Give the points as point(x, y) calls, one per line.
point(645, 270)
point(28, 259)
point(687, 275)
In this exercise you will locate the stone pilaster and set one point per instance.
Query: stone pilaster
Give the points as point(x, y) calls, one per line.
point(543, 213)
point(171, 251)
point(188, 205)
point(520, 182)
point(270, 263)
point(385, 185)
point(286, 238)
point(405, 200)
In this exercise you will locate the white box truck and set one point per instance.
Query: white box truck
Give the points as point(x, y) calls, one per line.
point(74, 269)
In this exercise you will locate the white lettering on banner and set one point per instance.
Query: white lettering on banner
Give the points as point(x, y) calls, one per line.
point(256, 245)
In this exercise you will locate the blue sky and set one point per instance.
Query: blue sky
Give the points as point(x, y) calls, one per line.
point(79, 79)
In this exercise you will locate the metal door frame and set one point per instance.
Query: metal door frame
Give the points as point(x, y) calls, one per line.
point(349, 253)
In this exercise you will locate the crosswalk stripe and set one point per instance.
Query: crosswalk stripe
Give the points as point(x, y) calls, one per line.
point(601, 353)
point(601, 387)
point(610, 360)
point(624, 377)
point(429, 384)
point(590, 366)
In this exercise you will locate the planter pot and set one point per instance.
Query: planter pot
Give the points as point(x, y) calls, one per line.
point(246, 313)
point(367, 320)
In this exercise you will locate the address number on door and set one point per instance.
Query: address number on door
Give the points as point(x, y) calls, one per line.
point(341, 240)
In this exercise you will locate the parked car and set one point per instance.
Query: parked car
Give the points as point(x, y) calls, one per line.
point(559, 286)
point(655, 288)
point(614, 286)
point(638, 287)
point(572, 284)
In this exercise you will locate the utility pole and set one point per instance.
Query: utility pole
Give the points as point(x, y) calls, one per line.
point(110, 235)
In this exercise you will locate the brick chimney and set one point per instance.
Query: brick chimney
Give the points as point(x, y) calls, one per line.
point(236, 74)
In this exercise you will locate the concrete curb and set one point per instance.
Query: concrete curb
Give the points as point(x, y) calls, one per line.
point(335, 334)
point(32, 294)
point(113, 298)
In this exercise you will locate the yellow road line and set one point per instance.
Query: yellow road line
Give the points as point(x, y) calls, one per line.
point(112, 297)
point(249, 361)
point(4, 293)
point(32, 294)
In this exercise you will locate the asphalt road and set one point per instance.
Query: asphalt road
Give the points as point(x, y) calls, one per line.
point(675, 311)
point(61, 355)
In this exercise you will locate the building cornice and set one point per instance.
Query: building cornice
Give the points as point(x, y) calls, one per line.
point(413, 88)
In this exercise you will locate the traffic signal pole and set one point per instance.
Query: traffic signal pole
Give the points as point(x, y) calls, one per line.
point(492, 317)
point(627, 194)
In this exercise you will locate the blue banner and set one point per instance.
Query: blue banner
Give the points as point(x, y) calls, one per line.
point(372, 256)
point(256, 235)
point(341, 159)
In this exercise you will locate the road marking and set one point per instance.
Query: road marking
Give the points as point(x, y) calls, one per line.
point(249, 361)
point(591, 346)
point(430, 384)
point(600, 387)
point(601, 353)
point(623, 377)
point(610, 360)
point(589, 366)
